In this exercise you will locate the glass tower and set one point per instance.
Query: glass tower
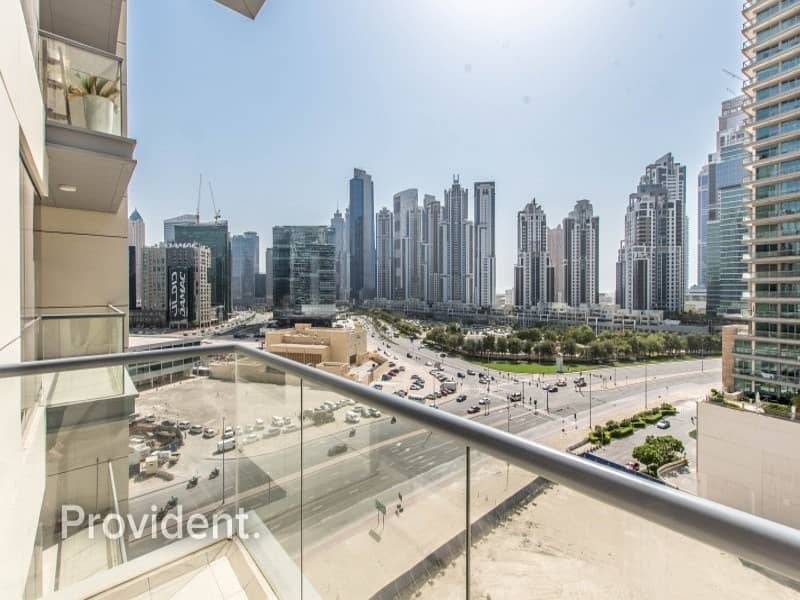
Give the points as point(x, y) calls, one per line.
point(767, 358)
point(215, 237)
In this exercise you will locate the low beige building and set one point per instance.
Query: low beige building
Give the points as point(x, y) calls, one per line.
point(315, 345)
point(748, 460)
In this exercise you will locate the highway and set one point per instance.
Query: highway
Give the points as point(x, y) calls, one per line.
point(385, 456)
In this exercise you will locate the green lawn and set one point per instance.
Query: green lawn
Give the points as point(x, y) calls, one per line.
point(533, 367)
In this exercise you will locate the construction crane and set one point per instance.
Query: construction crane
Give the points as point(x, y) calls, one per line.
point(217, 213)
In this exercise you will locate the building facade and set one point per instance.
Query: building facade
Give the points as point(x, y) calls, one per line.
point(175, 287)
point(530, 272)
point(555, 248)
point(339, 226)
point(432, 254)
point(581, 249)
point(304, 272)
point(456, 209)
point(406, 250)
point(384, 244)
point(137, 241)
point(169, 225)
point(485, 258)
point(721, 212)
point(652, 261)
point(268, 277)
point(361, 228)
point(214, 236)
point(245, 253)
point(767, 358)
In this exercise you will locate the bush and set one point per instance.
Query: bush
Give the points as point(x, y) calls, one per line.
point(621, 432)
point(594, 438)
point(638, 423)
point(611, 425)
point(669, 410)
point(321, 417)
point(652, 417)
point(774, 408)
point(625, 423)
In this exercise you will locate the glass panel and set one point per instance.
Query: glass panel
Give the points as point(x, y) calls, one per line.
point(135, 455)
point(268, 478)
point(81, 86)
point(76, 335)
point(383, 501)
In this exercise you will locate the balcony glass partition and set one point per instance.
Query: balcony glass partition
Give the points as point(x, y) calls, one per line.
point(340, 498)
point(81, 85)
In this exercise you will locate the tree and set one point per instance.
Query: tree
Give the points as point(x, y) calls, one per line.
point(514, 345)
point(569, 347)
point(488, 343)
point(657, 451)
point(584, 335)
point(501, 345)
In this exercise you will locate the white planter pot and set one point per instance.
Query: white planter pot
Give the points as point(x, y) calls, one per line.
point(99, 113)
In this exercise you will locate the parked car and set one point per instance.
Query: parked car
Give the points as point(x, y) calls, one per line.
point(460, 375)
point(168, 423)
point(428, 363)
point(551, 388)
point(277, 421)
point(484, 400)
point(196, 429)
point(184, 425)
point(663, 424)
point(337, 449)
point(470, 372)
point(209, 432)
point(259, 423)
point(409, 355)
point(377, 386)
point(289, 428)
point(272, 432)
point(562, 381)
point(461, 398)
point(473, 409)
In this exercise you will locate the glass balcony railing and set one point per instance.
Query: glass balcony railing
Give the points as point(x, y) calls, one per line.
point(81, 85)
point(337, 490)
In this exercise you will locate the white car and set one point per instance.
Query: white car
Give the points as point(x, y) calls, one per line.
point(259, 423)
point(352, 417)
point(272, 432)
point(184, 425)
point(289, 428)
point(209, 432)
point(428, 363)
point(277, 421)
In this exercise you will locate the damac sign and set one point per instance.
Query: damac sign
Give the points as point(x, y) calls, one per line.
point(178, 295)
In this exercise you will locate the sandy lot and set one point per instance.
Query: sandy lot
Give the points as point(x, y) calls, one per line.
point(565, 545)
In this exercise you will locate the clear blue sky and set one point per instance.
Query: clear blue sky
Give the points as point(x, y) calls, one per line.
point(557, 99)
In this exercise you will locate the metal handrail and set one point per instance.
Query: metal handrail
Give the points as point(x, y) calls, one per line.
point(766, 543)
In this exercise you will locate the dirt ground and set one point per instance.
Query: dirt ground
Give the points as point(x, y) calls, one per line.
point(565, 545)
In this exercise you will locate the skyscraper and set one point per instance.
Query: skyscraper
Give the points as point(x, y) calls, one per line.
point(555, 249)
point(268, 277)
point(581, 250)
point(485, 261)
point(304, 272)
point(530, 272)
point(721, 225)
point(169, 225)
point(767, 361)
point(340, 241)
point(361, 225)
point(137, 240)
point(431, 259)
point(456, 208)
point(652, 261)
point(385, 272)
point(407, 233)
point(245, 255)
point(215, 237)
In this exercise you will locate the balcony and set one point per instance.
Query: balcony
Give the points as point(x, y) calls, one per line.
point(389, 501)
point(90, 161)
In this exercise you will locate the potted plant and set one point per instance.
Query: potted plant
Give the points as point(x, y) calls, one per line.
point(99, 102)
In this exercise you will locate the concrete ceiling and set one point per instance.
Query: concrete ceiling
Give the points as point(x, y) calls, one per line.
point(249, 8)
point(91, 22)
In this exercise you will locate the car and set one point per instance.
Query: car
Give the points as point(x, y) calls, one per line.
point(374, 413)
point(551, 388)
point(272, 432)
point(461, 398)
point(209, 432)
point(401, 368)
point(442, 355)
point(473, 409)
point(196, 429)
point(377, 386)
point(460, 375)
point(663, 424)
point(337, 449)
point(352, 417)
point(483, 401)
point(289, 428)
point(227, 434)
point(287, 420)
point(428, 363)
point(470, 372)
point(633, 465)
point(184, 425)
point(168, 423)
point(562, 381)
point(259, 423)
point(392, 364)
point(409, 355)
point(250, 438)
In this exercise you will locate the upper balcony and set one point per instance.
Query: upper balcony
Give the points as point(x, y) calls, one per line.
point(90, 161)
point(341, 490)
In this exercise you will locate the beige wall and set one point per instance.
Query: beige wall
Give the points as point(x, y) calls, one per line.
point(728, 341)
point(749, 461)
point(330, 344)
